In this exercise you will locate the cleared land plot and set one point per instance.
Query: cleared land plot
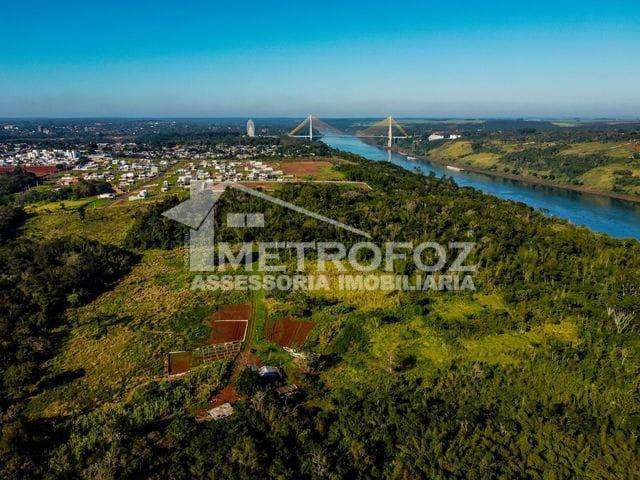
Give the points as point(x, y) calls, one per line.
point(179, 362)
point(310, 169)
point(224, 331)
point(229, 324)
point(226, 395)
point(304, 167)
point(288, 332)
point(241, 311)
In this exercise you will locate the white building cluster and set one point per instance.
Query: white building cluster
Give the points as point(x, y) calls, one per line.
point(229, 171)
point(122, 172)
point(39, 157)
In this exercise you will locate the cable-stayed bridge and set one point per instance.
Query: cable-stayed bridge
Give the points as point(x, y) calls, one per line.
point(387, 128)
point(312, 124)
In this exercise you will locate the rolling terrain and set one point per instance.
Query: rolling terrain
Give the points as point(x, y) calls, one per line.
point(610, 168)
point(528, 375)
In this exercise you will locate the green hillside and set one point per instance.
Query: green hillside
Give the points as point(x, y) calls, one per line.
point(608, 167)
point(529, 376)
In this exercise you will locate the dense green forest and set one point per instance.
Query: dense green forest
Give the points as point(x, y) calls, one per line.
point(11, 218)
point(560, 409)
point(16, 181)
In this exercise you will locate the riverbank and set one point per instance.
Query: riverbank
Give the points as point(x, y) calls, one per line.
point(601, 213)
point(526, 179)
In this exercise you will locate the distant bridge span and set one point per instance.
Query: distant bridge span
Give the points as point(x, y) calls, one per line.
point(385, 128)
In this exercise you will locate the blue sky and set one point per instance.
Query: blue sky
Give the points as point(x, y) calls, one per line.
point(191, 58)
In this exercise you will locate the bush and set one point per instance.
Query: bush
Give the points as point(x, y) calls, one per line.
point(249, 382)
point(152, 230)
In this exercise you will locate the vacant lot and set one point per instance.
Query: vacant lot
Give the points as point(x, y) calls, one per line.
point(320, 169)
point(304, 167)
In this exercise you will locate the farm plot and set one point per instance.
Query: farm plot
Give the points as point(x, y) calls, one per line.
point(230, 324)
point(223, 331)
point(310, 169)
point(229, 327)
point(288, 332)
point(241, 311)
point(179, 362)
point(304, 167)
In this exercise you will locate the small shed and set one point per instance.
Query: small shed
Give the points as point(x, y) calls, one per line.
point(223, 411)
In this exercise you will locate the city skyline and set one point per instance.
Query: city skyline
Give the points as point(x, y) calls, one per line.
point(466, 59)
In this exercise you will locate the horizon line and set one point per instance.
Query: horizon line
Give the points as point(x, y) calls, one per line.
point(346, 117)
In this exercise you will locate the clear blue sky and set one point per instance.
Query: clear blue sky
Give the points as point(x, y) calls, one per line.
point(236, 58)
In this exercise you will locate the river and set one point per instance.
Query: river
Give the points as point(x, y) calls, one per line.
point(617, 218)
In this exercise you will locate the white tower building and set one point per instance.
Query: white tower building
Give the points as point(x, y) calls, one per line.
point(251, 128)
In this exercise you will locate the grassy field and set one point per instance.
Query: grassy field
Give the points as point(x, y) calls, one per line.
point(601, 178)
point(482, 160)
point(48, 207)
point(374, 333)
point(452, 150)
point(102, 221)
point(119, 340)
point(418, 344)
point(612, 150)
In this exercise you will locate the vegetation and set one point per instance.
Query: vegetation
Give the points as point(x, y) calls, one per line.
point(16, 181)
point(11, 218)
point(82, 189)
point(102, 221)
point(152, 230)
point(602, 161)
point(534, 375)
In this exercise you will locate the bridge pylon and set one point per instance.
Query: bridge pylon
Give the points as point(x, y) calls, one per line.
point(385, 129)
point(314, 126)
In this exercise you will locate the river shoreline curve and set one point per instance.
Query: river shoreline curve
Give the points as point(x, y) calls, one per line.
point(527, 179)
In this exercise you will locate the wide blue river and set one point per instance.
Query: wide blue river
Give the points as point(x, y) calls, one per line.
point(615, 217)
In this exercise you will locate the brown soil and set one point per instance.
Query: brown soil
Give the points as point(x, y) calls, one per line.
point(303, 167)
point(288, 332)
